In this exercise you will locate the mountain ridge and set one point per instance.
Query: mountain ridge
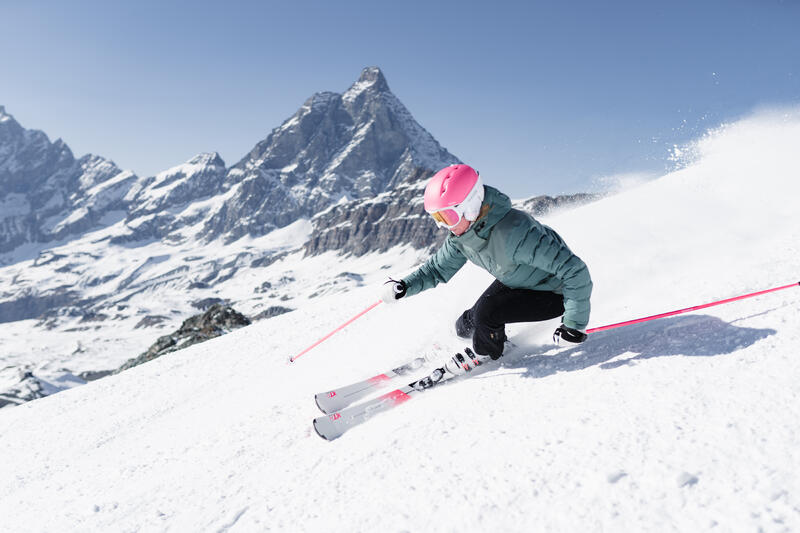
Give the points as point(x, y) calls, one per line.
point(46, 194)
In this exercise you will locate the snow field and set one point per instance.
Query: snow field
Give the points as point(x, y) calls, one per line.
point(689, 423)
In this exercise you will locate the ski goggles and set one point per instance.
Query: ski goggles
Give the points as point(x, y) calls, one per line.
point(448, 218)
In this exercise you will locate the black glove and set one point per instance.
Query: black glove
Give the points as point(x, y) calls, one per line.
point(393, 290)
point(568, 334)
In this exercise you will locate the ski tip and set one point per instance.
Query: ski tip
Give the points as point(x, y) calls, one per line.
point(316, 429)
point(316, 401)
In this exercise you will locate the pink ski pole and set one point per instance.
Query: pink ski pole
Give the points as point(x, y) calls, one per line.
point(326, 337)
point(695, 308)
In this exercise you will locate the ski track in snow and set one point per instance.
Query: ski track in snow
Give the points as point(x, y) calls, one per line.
point(689, 423)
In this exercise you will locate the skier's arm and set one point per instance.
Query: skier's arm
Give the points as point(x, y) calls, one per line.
point(442, 266)
point(543, 251)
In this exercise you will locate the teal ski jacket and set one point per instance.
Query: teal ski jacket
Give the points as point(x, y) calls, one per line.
point(516, 249)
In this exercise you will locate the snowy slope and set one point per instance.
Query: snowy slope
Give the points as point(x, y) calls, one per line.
point(689, 423)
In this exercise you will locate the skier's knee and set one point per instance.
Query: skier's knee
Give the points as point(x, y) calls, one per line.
point(464, 325)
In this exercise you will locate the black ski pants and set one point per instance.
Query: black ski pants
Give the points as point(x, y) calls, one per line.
point(500, 305)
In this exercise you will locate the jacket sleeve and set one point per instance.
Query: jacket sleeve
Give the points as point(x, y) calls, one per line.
point(442, 266)
point(542, 250)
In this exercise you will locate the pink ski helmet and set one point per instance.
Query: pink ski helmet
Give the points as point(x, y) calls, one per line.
point(453, 192)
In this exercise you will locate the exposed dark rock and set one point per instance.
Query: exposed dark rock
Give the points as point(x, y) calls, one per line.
point(95, 281)
point(264, 287)
point(350, 276)
point(46, 257)
point(92, 375)
point(268, 260)
point(91, 316)
point(360, 227)
point(28, 388)
point(342, 282)
point(150, 321)
point(270, 312)
point(377, 224)
point(207, 303)
point(29, 305)
point(31, 387)
point(217, 321)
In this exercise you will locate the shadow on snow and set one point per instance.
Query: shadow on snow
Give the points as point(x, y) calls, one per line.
point(691, 336)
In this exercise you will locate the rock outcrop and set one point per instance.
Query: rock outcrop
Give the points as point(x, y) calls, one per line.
point(218, 320)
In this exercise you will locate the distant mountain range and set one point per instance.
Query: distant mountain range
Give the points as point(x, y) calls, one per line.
point(333, 161)
point(335, 148)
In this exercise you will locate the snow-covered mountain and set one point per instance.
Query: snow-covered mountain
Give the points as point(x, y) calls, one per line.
point(168, 204)
point(336, 147)
point(688, 423)
point(80, 237)
point(46, 194)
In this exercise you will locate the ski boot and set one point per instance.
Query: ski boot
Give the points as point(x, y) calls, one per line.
point(467, 362)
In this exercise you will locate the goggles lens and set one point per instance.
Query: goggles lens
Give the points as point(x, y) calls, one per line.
point(446, 217)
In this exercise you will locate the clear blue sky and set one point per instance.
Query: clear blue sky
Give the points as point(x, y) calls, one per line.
point(542, 97)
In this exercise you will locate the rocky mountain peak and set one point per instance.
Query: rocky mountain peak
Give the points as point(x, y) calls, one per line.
point(369, 96)
point(353, 145)
point(207, 159)
point(157, 203)
point(45, 193)
point(10, 130)
point(318, 102)
point(372, 78)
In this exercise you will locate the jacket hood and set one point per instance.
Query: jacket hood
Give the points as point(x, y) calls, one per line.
point(496, 205)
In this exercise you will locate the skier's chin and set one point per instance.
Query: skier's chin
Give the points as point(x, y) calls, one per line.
point(461, 227)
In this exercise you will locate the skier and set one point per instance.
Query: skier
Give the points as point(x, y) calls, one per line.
point(537, 275)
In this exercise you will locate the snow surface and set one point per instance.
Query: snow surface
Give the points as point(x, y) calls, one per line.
point(146, 280)
point(689, 423)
